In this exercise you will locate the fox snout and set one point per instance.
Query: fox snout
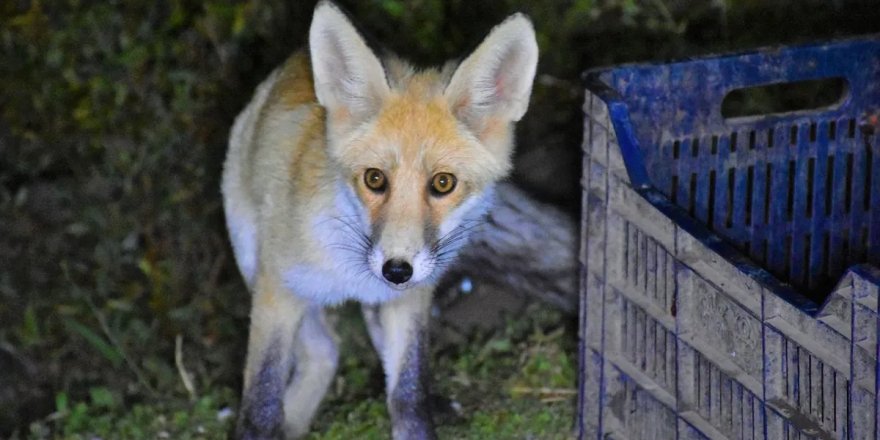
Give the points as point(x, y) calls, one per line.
point(402, 269)
point(406, 253)
point(399, 270)
point(400, 254)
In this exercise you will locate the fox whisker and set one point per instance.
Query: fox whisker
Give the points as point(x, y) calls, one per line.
point(446, 248)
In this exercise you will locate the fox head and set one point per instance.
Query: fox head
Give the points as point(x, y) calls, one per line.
point(417, 152)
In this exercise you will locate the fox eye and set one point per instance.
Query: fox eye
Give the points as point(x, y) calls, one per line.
point(375, 180)
point(442, 184)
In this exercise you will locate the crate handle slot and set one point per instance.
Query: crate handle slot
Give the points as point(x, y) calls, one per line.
point(813, 95)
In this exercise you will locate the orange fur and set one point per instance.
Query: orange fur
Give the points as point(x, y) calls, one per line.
point(295, 86)
point(415, 135)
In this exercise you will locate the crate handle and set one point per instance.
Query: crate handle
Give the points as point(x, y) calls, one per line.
point(623, 127)
point(780, 98)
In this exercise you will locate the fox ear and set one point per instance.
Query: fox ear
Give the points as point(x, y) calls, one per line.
point(495, 81)
point(349, 78)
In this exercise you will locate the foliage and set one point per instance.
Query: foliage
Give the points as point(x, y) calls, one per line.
point(104, 416)
point(486, 377)
point(113, 123)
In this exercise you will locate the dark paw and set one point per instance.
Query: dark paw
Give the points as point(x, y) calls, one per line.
point(260, 420)
point(413, 430)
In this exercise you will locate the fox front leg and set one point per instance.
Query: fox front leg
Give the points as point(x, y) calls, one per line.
point(275, 318)
point(316, 357)
point(404, 351)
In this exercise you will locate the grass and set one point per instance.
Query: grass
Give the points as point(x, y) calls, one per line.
point(511, 382)
point(104, 416)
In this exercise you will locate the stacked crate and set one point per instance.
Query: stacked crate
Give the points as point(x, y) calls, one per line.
point(705, 238)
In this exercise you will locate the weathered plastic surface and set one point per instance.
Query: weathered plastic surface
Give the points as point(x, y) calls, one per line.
point(695, 325)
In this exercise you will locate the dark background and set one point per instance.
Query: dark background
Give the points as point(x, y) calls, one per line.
point(113, 125)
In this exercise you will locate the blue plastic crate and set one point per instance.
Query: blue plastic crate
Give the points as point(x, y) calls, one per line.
point(708, 240)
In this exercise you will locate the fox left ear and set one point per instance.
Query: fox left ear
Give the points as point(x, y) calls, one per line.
point(349, 78)
point(495, 81)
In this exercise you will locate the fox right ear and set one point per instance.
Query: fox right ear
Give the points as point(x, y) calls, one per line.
point(349, 78)
point(494, 82)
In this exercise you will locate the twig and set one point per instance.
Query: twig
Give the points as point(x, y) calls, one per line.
point(106, 329)
point(555, 334)
point(554, 399)
point(185, 377)
point(544, 391)
point(214, 272)
point(102, 321)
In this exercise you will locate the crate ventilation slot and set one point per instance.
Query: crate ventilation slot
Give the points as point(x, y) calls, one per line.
point(799, 206)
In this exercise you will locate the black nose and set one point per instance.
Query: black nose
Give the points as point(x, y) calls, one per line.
point(396, 271)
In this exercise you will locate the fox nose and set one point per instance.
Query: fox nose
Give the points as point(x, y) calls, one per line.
point(397, 271)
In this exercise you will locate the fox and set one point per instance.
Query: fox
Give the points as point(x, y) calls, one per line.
point(353, 176)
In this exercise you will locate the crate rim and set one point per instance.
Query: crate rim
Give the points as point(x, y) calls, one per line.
point(588, 76)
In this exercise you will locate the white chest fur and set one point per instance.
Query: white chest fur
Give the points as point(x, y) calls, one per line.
point(333, 286)
point(342, 271)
